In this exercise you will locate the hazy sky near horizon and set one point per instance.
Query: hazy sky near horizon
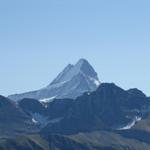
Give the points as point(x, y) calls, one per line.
point(38, 38)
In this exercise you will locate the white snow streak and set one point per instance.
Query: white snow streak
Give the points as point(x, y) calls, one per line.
point(48, 100)
point(42, 121)
point(39, 119)
point(130, 125)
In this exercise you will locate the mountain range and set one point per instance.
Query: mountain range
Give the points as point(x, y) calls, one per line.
point(104, 117)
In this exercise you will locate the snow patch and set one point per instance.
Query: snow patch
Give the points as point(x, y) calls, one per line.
point(130, 125)
point(88, 93)
point(95, 81)
point(42, 121)
point(34, 121)
point(48, 100)
point(39, 119)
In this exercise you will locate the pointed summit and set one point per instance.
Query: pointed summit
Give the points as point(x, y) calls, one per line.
point(72, 82)
point(82, 61)
point(82, 67)
point(86, 68)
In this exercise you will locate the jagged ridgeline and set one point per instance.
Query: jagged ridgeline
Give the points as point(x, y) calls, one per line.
point(87, 115)
point(72, 82)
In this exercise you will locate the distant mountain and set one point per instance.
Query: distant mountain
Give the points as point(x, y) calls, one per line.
point(72, 82)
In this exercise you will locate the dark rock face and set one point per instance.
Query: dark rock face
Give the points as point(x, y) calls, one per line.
point(136, 92)
point(108, 108)
point(31, 105)
point(58, 108)
point(13, 120)
point(78, 124)
point(52, 110)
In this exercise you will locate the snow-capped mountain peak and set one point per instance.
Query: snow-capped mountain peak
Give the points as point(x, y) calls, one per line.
point(72, 82)
point(82, 62)
point(81, 67)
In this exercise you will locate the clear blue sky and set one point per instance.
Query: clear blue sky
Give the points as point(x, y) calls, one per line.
point(38, 38)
